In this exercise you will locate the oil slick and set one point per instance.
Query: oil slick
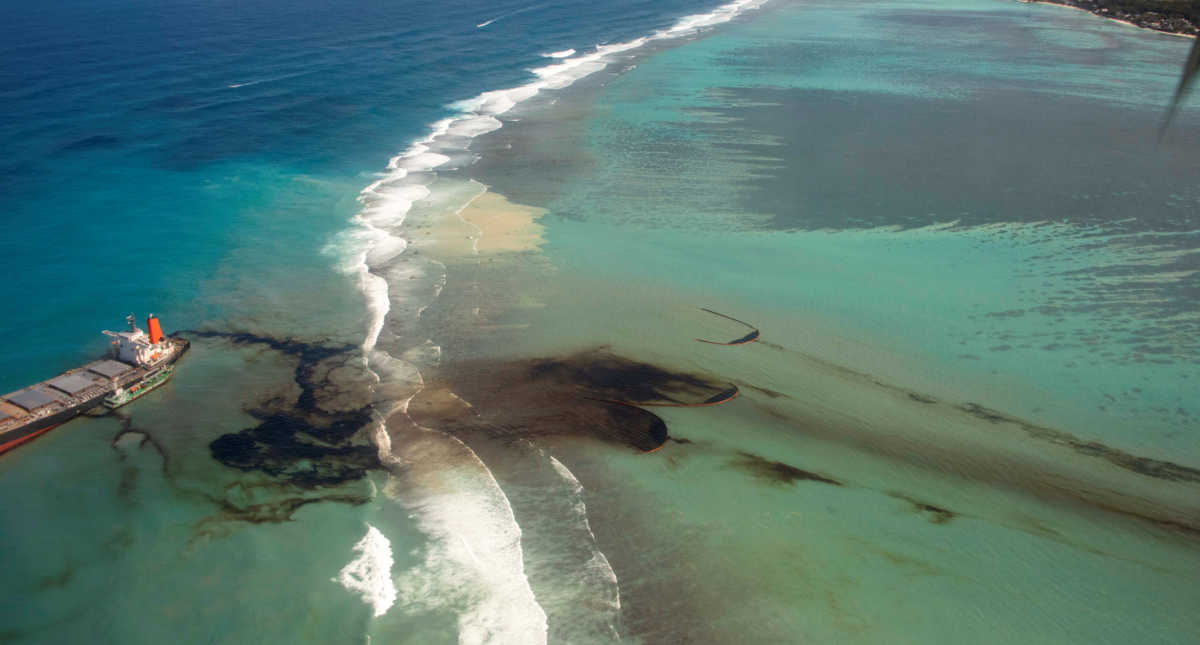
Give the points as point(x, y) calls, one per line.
point(593, 393)
point(309, 443)
point(776, 472)
point(748, 338)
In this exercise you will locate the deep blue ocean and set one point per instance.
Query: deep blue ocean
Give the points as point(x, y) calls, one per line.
point(153, 149)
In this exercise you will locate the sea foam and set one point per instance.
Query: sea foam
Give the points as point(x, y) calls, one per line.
point(370, 574)
point(599, 574)
point(476, 546)
point(474, 560)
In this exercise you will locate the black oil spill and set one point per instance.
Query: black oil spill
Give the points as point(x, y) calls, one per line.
point(590, 394)
point(279, 511)
point(303, 444)
point(274, 510)
point(935, 514)
point(1142, 465)
point(762, 390)
point(1155, 468)
point(777, 472)
point(748, 338)
point(147, 439)
point(305, 453)
point(604, 375)
point(130, 472)
point(721, 397)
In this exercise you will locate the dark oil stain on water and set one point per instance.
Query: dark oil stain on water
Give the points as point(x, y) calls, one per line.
point(776, 472)
point(1155, 468)
point(935, 514)
point(306, 447)
point(299, 443)
point(311, 446)
point(593, 394)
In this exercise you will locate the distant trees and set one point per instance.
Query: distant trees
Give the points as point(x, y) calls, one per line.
point(1177, 16)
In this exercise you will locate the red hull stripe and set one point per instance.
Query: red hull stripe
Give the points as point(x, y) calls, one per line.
point(5, 447)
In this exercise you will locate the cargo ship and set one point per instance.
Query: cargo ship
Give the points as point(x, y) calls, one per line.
point(138, 362)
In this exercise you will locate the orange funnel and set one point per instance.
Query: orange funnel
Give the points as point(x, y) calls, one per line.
point(155, 330)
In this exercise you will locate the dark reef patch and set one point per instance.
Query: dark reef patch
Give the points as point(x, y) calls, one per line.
point(58, 580)
point(128, 483)
point(308, 443)
point(777, 472)
point(592, 394)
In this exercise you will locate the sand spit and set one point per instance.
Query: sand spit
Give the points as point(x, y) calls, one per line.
point(504, 227)
point(488, 225)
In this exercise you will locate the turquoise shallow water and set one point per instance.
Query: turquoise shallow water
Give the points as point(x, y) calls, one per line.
point(1007, 232)
point(203, 162)
point(962, 224)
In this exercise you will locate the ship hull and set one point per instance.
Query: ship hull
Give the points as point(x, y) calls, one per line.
point(35, 429)
point(14, 437)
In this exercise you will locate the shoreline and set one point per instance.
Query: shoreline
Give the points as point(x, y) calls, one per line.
point(1147, 19)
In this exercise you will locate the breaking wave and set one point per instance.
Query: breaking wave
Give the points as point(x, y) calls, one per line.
point(599, 574)
point(377, 239)
point(475, 558)
point(474, 562)
point(370, 574)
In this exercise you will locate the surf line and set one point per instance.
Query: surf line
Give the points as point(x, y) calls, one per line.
point(744, 340)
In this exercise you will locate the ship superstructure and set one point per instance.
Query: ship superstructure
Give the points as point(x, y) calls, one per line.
point(137, 358)
point(140, 348)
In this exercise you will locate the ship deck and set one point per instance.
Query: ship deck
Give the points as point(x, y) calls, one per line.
point(77, 389)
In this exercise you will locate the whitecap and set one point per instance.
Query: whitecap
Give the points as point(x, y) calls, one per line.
point(475, 555)
point(474, 560)
point(370, 574)
point(422, 161)
point(474, 126)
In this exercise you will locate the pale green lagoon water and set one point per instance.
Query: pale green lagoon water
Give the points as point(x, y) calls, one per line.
point(959, 203)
